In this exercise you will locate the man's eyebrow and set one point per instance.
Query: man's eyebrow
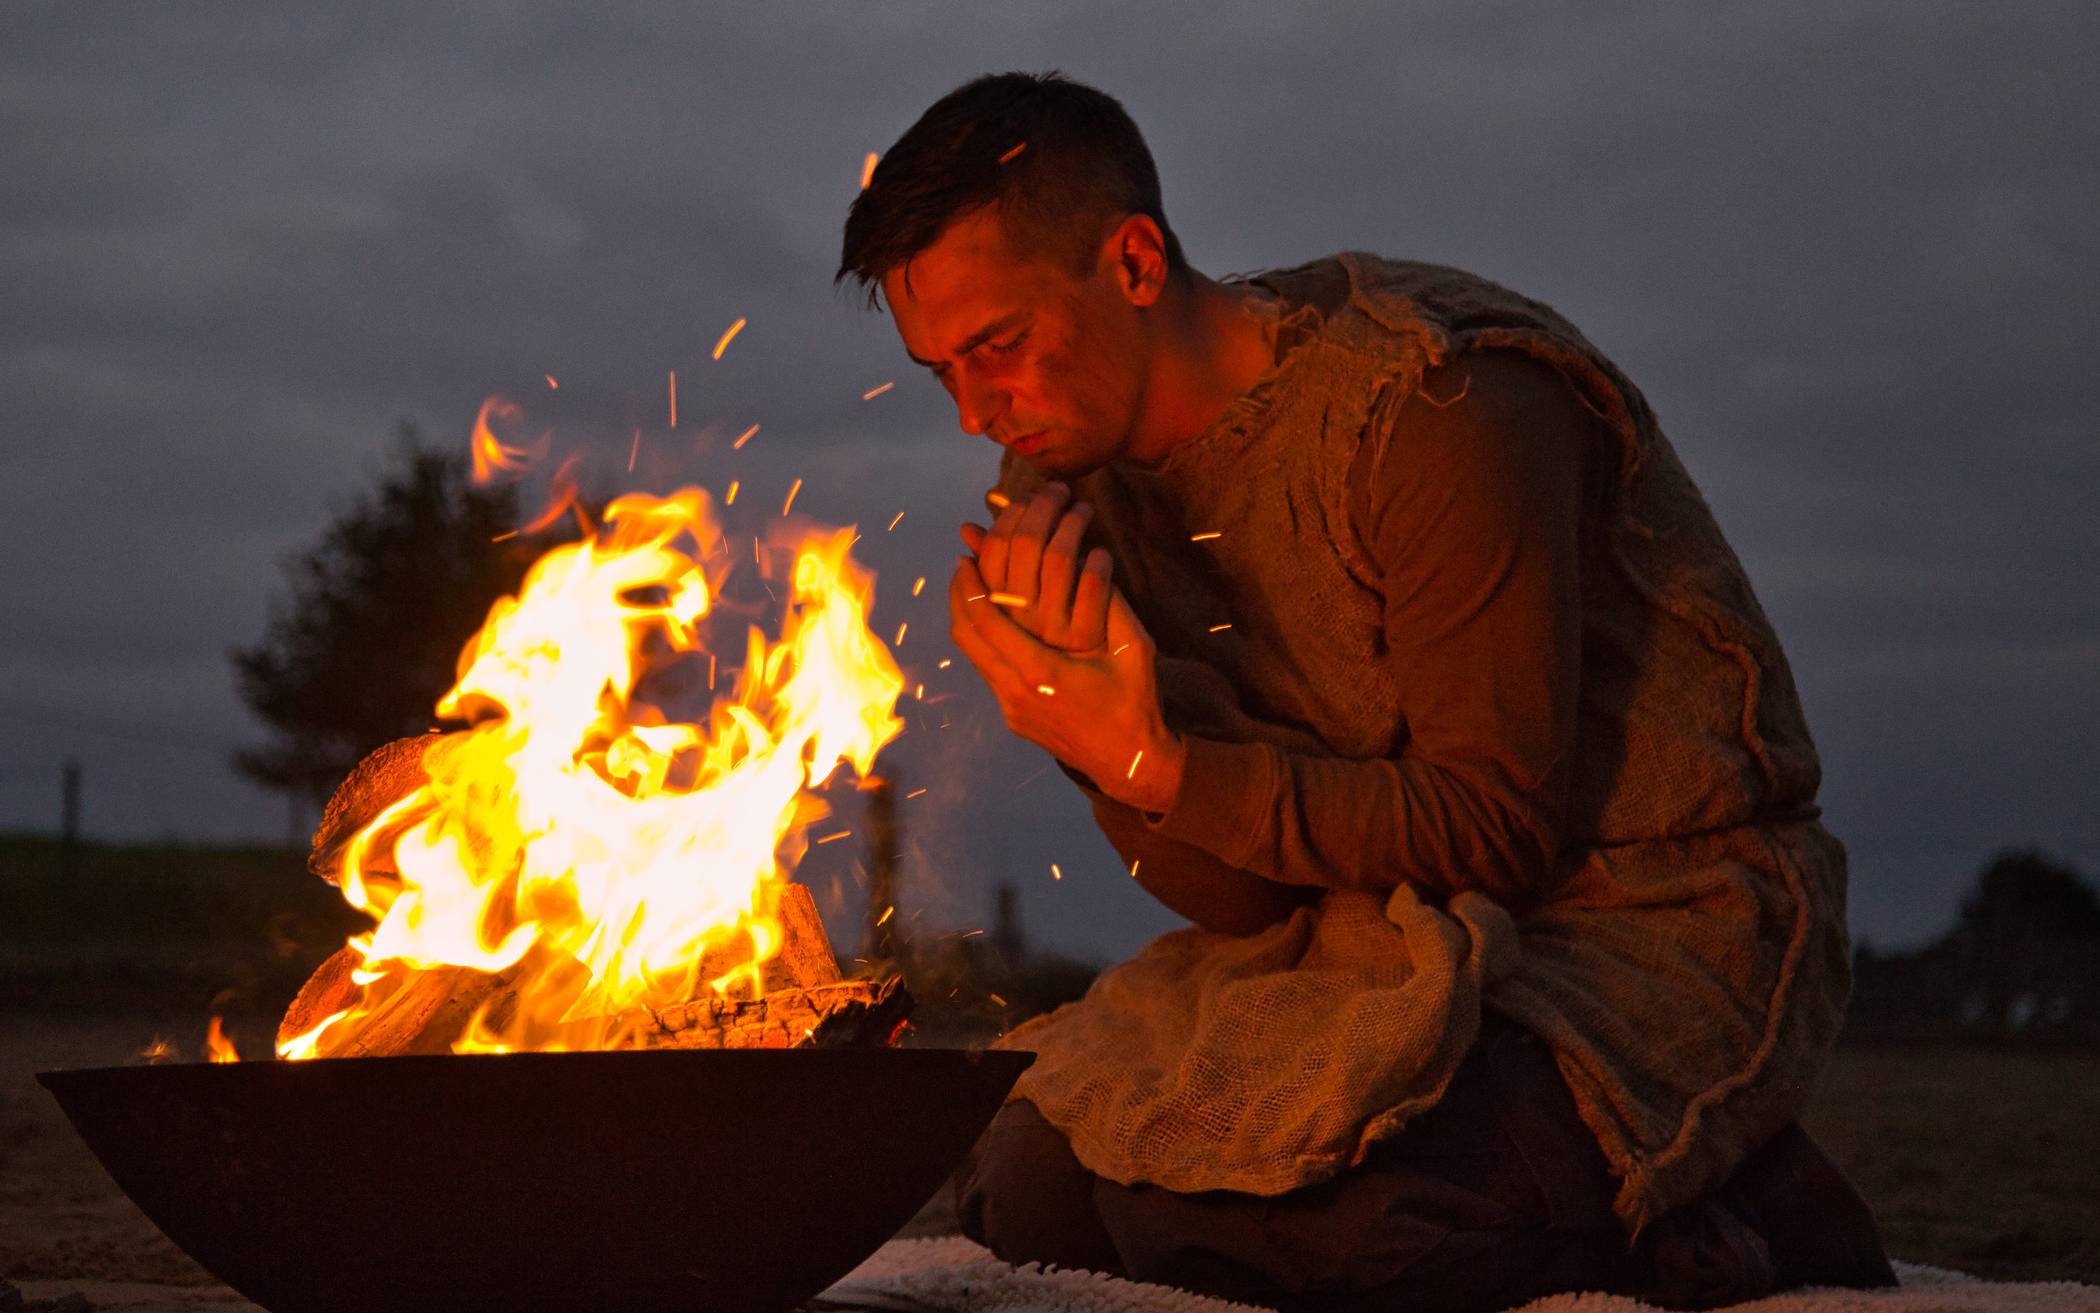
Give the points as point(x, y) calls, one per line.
point(978, 338)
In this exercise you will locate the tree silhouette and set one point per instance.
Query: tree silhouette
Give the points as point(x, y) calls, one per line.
point(2023, 898)
point(366, 636)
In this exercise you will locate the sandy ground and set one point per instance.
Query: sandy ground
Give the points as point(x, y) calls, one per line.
point(1987, 1162)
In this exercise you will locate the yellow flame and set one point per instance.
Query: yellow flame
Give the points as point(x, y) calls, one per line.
point(609, 857)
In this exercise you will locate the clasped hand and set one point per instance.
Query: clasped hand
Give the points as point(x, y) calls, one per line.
point(1061, 650)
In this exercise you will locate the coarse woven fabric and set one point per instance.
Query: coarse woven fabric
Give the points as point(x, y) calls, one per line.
point(1689, 964)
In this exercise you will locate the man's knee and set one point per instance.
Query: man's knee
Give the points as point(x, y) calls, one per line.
point(1023, 1195)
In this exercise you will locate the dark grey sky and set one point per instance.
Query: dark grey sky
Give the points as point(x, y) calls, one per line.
point(1849, 253)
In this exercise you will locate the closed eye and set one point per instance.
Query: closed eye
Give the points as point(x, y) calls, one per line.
point(1007, 347)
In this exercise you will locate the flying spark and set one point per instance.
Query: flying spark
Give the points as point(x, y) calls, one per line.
point(913, 794)
point(900, 634)
point(877, 391)
point(1056, 874)
point(551, 383)
point(634, 450)
point(867, 169)
point(729, 498)
point(792, 490)
point(1219, 629)
point(1131, 774)
point(918, 585)
point(728, 336)
point(1015, 151)
point(893, 521)
point(743, 438)
point(1206, 537)
point(1008, 599)
point(674, 398)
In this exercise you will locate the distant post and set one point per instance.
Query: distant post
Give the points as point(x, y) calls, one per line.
point(69, 813)
point(880, 941)
point(1008, 939)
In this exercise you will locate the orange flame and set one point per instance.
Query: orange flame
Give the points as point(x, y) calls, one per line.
point(216, 1046)
point(491, 455)
point(600, 855)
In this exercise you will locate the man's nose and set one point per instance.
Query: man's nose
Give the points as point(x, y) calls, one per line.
point(979, 404)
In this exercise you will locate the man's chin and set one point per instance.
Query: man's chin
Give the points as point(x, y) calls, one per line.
point(1060, 465)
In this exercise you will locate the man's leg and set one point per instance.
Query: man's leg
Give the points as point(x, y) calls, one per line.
point(1496, 1196)
point(1021, 1194)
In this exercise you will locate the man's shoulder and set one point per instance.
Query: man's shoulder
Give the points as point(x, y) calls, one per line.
point(1367, 296)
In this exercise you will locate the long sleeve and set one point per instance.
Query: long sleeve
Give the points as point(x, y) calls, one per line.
point(1184, 878)
point(1469, 500)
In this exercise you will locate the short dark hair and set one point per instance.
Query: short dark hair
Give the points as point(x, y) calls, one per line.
point(1060, 160)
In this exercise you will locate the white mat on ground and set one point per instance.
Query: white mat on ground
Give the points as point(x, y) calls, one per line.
point(954, 1275)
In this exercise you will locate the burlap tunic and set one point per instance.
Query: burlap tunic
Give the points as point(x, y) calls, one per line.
point(1687, 961)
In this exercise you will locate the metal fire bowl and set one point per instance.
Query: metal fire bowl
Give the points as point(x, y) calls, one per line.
point(727, 1181)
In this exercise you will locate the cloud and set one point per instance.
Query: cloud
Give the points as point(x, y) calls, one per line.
point(1848, 255)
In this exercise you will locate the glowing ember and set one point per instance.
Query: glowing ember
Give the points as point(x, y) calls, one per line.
point(581, 846)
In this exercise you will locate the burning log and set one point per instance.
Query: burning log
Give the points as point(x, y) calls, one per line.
point(386, 776)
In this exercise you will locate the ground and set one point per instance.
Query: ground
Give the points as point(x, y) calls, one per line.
point(1982, 1160)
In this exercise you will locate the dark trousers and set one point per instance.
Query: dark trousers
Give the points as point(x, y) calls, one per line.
point(1496, 1196)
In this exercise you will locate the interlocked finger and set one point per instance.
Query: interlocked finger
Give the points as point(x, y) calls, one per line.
point(992, 550)
point(1052, 618)
point(1088, 628)
point(1024, 548)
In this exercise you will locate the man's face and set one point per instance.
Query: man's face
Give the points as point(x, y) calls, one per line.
point(1048, 364)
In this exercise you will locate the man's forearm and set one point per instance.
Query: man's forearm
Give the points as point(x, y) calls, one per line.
point(1300, 819)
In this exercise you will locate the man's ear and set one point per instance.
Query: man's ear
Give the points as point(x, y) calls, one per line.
point(1137, 253)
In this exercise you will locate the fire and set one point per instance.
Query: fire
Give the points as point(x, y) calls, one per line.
point(216, 1046)
point(582, 844)
point(491, 454)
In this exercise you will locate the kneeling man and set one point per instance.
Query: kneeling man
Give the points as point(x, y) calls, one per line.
point(1394, 647)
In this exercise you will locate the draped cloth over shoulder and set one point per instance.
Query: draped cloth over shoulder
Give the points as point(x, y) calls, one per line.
point(1688, 965)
